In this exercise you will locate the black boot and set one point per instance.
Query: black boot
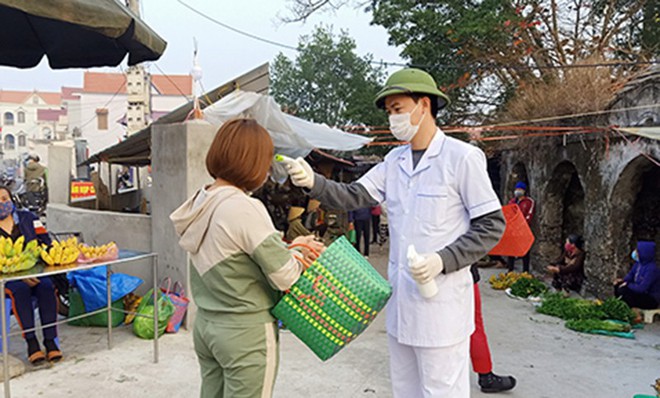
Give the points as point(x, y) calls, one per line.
point(490, 382)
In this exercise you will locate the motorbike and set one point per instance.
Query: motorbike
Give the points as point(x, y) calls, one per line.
point(32, 195)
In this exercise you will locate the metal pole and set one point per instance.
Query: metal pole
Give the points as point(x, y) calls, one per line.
point(156, 309)
point(109, 305)
point(110, 186)
point(97, 189)
point(5, 340)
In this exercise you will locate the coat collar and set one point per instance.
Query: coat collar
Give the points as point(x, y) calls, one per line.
point(433, 151)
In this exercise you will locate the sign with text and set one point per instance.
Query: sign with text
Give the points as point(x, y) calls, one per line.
point(82, 190)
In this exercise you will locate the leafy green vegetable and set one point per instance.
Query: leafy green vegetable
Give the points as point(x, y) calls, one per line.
point(528, 287)
point(554, 304)
point(617, 309)
point(587, 325)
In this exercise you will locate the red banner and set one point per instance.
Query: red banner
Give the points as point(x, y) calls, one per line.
point(82, 190)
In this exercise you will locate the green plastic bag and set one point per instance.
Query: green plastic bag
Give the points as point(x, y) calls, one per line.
point(77, 307)
point(351, 236)
point(143, 326)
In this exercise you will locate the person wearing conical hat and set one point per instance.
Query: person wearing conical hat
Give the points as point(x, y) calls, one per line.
point(441, 202)
point(296, 227)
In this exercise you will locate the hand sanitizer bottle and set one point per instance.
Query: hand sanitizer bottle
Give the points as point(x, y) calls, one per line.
point(428, 289)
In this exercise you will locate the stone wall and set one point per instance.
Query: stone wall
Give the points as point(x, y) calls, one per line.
point(602, 186)
point(129, 231)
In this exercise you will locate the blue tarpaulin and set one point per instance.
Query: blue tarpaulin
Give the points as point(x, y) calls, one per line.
point(92, 285)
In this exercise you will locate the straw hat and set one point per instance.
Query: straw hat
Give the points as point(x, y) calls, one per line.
point(313, 205)
point(295, 212)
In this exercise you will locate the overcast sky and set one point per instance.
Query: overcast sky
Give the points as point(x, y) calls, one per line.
point(223, 53)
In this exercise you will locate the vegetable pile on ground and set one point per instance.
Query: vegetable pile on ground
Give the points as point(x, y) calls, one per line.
point(587, 325)
point(526, 287)
point(504, 281)
point(555, 304)
point(590, 316)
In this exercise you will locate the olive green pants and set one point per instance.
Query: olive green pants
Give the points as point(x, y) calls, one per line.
point(236, 361)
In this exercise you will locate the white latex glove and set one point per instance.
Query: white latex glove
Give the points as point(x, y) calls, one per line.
point(427, 267)
point(300, 171)
point(310, 241)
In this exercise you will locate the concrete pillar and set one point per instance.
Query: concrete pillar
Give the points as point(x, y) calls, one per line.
point(178, 155)
point(59, 173)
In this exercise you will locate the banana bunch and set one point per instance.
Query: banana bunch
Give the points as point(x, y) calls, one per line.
point(95, 252)
point(61, 253)
point(16, 256)
point(504, 281)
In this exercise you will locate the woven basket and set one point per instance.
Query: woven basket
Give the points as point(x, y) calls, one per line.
point(334, 300)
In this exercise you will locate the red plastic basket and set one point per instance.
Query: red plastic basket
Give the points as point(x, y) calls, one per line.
point(517, 238)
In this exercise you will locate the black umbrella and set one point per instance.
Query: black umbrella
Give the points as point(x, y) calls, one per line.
point(74, 33)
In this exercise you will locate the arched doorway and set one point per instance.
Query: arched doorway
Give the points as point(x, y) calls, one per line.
point(635, 204)
point(563, 208)
point(518, 173)
point(494, 167)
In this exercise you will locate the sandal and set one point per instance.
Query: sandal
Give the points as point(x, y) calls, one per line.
point(54, 356)
point(53, 351)
point(37, 357)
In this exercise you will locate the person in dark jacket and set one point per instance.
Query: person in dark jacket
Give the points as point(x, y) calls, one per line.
point(568, 270)
point(641, 286)
point(14, 224)
point(361, 219)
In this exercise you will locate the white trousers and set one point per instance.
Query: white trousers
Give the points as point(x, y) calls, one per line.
point(419, 372)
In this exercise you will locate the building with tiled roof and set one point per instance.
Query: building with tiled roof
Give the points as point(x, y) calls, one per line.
point(26, 116)
point(101, 115)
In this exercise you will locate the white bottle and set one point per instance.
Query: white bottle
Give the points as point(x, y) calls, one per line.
point(428, 289)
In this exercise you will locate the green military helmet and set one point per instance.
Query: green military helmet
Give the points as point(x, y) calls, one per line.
point(411, 81)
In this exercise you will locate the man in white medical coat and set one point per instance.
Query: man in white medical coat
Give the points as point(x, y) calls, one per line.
point(440, 200)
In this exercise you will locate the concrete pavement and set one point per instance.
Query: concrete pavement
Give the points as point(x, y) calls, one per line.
point(548, 360)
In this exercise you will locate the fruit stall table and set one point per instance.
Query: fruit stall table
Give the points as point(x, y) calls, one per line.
point(41, 270)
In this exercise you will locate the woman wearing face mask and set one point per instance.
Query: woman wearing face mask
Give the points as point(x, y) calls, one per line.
point(14, 224)
point(641, 286)
point(239, 265)
point(568, 270)
point(527, 208)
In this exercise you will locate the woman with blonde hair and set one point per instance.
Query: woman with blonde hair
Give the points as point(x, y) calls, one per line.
point(239, 265)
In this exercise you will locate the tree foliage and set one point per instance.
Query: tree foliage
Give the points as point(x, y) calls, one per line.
point(485, 52)
point(328, 82)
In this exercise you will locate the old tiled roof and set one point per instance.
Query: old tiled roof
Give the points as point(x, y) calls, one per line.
point(20, 97)
point(172, 85)
point(71, 93)
point(110, 83)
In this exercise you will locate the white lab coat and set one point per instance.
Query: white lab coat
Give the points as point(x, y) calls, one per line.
point(431, 206)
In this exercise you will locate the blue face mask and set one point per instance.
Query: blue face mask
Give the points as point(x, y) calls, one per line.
point(6, 208)
point(635, 256)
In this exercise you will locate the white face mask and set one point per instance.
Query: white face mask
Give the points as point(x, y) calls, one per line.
point(401, 127)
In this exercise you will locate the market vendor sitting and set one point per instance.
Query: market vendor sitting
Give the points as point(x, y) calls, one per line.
point(568, 269)
point(641, 286)
point(14, 224)
point(296, 227)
